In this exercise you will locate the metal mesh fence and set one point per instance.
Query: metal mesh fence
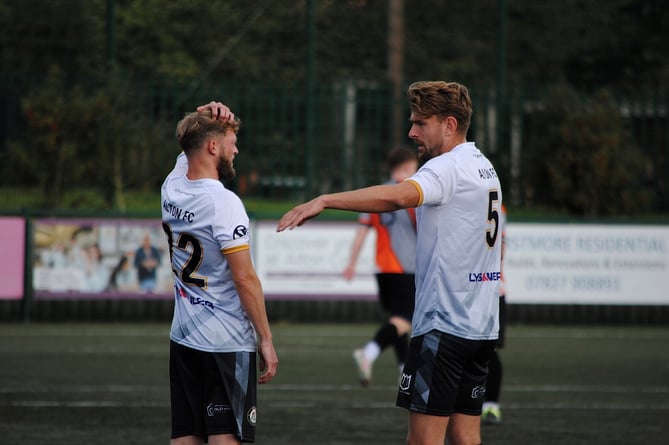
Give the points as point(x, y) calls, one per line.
point(291, 149)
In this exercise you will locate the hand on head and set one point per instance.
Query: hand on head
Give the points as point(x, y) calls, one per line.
point(218, 110)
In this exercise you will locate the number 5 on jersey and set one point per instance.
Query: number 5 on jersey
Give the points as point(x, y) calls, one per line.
point(493, 217)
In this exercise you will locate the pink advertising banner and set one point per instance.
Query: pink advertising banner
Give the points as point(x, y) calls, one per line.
point(12, 240)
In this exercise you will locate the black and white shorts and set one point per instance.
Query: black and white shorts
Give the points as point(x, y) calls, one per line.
point(445, 374)
point(212, 393)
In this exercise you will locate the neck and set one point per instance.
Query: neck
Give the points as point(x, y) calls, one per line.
point(197, 169)
point(453, 142)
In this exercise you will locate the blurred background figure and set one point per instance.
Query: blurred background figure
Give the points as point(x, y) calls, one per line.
point(147, 260)
point(491, 410)
point(395, 267)
point(122, 277)
point(97, 275)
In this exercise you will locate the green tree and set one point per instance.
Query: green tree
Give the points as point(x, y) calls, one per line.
point(97, 144)
point(583, 42)
point(582, 159)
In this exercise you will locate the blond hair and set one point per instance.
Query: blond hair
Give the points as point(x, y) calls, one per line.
point(196, 127)
point(429, 98)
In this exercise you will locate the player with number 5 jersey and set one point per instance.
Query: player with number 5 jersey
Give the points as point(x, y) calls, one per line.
point(459, 262)
point(458, 253)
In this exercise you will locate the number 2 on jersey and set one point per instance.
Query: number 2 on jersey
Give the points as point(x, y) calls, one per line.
point(493, 217)
point(190, 244)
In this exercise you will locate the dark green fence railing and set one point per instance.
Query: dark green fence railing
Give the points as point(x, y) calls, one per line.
point(351, 132)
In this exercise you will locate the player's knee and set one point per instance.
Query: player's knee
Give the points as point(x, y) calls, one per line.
point(460, 435)
point(464, 438)
point(403, 326)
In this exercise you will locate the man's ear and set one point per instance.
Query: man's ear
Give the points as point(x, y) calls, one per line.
point(212, 146)
point(449, 126)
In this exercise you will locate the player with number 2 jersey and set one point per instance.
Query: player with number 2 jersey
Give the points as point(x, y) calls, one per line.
point(204, 219)
point(219, 307)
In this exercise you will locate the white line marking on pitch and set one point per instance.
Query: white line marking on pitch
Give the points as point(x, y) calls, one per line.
point(320, 387)
point(354, 405)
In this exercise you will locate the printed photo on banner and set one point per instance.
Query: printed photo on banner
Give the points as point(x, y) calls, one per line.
point(110, 258)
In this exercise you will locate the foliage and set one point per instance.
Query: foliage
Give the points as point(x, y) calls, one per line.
point(584, 158)
point(101, 140)
point(103, 119)
point(587, 42)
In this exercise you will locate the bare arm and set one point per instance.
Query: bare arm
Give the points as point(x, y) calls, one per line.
point(376, 199)
point(359, 240)
point(253, 301)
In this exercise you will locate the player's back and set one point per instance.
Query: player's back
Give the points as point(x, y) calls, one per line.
point(203, 221)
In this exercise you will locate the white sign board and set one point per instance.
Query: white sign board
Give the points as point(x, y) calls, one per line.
point(308, 262)
point(544, 263)
point(587, 264)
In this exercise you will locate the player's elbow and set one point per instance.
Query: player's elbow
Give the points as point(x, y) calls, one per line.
point(404, 202)
point(244, 278)
point(402, 196)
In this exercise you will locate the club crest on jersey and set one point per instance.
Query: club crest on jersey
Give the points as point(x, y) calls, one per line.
point(484, 276)
point(239, 232)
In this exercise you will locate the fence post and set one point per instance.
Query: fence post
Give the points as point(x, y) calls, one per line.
point(26, 303)
point(311, 155)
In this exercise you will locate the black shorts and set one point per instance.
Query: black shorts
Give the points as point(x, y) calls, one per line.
point(445, 374)
point(502, 322)
point(397, 293)
point(209, 395)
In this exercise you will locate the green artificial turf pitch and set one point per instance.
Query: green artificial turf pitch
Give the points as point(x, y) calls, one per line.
point(107, 384)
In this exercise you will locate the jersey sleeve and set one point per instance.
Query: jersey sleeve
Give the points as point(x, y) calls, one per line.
point(435, 182)
point(231, 224)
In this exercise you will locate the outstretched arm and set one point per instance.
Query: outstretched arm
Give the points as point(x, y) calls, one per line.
point(376, 199)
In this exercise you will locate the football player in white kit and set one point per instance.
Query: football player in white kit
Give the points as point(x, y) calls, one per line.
point(219, 315)
point(455, 322)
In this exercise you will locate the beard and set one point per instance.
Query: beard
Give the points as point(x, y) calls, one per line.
point(425, 154)
point(226, 171)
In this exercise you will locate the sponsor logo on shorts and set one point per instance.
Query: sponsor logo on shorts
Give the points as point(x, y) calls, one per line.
point(478, 392)
point(405, 382)
point(213, 410)
point(252, 416)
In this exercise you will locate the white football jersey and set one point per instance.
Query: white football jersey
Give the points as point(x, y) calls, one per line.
point(204, 221)
point(459, 245)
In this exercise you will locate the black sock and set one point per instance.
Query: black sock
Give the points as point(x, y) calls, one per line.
point(402, 348)
point(386, 335)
